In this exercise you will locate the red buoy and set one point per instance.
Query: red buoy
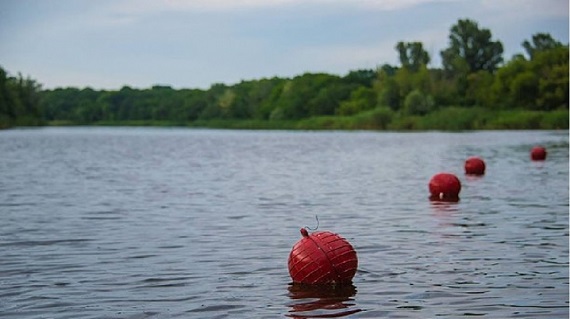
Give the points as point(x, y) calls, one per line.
point(474, 166)
point(322, 258)
point(538, 153)
point(445, 187)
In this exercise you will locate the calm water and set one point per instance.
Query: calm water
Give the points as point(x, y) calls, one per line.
point(175, 223)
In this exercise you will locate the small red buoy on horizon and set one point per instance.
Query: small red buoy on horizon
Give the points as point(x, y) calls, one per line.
point(474, 166)
point(444, 187)
point(538, 153)
point(322, 258)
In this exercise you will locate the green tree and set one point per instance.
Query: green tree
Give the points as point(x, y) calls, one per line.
point(213, 98)
point(388, 90)
point(194, 103)
point(524, 90)
point(360, 77)
point(19, 100)
point(301, 96)
point(266, 96)
point(7, 100)
point(329, 97)
point(28, 93)
point(540, 84)
point(443, 88)
point(478, 87)
point(85, 108)
point(500, 94)
point(361, 99)
point(393, 89)
point(551, 68)
point(540, 42)
point(418, 103)
point(471, 47)
point(405, 79)
point(387, 69)
point(412, 55)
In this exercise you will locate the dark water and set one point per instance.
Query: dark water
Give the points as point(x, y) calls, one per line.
point(175, 223)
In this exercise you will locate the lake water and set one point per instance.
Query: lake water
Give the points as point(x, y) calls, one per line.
point(186, 223)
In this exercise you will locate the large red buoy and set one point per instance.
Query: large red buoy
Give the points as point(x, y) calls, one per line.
point(538, 153)
point(474, 166)
point(445, 187)
point(322, 258)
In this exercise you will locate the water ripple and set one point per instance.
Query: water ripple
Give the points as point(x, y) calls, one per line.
point(144, 223)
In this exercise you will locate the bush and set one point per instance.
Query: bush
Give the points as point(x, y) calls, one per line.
point(517, 120)
point(417, 103)
point(555, 120)
point(382, 117)
point(455, 119)
point(377, 119)
point(404, 123)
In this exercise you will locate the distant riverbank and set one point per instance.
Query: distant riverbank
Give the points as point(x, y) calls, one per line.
point(444, 119)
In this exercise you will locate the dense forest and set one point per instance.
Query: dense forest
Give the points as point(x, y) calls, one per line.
point(474, 89)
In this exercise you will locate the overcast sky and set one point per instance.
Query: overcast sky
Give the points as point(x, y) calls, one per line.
point(106, 44)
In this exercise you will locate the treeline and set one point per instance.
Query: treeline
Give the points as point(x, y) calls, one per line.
point(475, 89)
point(19, 101)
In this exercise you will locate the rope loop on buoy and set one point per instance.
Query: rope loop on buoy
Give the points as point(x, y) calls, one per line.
point(313, 229)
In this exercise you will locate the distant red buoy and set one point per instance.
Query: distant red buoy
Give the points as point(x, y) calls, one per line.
point(474, 166)
point(538, 153)
point(445, 187)
point(322, 258)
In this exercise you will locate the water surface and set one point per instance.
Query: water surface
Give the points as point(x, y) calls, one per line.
point(178, 223)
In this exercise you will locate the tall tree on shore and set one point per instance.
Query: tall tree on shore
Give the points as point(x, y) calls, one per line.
point(540, 42)
point(19, 100)
point(471, 48)
point(412, 55)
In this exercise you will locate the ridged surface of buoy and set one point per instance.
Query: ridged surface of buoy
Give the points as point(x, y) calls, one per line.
point(322, 258)
point(444, 186)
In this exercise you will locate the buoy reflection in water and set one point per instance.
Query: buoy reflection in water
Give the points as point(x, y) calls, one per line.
point(321, 301)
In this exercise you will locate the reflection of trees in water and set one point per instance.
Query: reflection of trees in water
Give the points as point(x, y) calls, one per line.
point(321, 301)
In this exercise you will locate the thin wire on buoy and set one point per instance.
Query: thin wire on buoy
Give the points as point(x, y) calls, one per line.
point(313, 229)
